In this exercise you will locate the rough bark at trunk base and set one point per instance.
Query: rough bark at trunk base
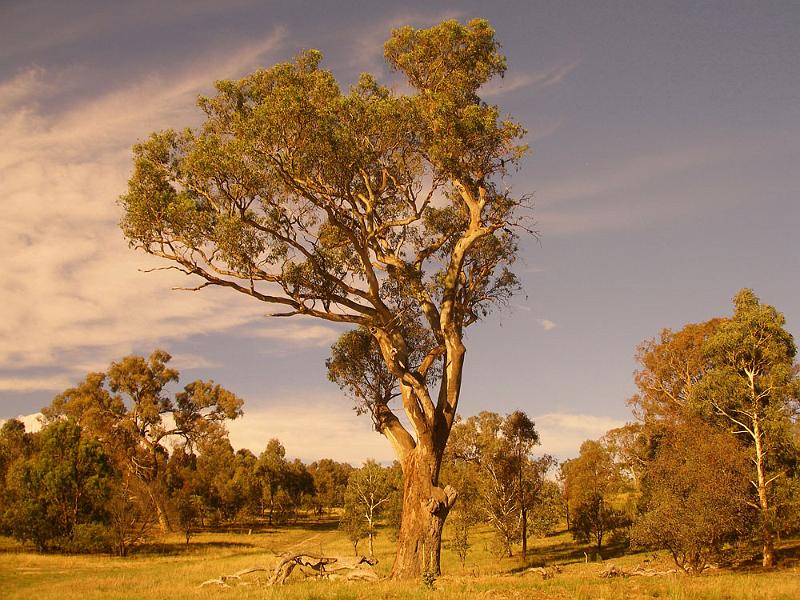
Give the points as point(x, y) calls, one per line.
point(425, 508)
point(769, 552)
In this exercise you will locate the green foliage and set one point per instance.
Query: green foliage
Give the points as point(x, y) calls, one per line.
point(368, 495)
point(64, 483)
point(593, 479)
point(545, 514)
point(131, 513)
point(459, 524)
point(671, 366)
point(489, 460)
point(695, 496)
point(468, 510)
point(270, 470)
point(330, 482)
point(130, 410)
point(736, 373)
point(428, 578)
point(89, 538)
point(353, 526)
point(213, 480)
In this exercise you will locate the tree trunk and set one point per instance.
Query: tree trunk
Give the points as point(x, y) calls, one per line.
point(767, 534)
point(161, 510)
point(163, 519)
point(524, 517)
point(425, 508)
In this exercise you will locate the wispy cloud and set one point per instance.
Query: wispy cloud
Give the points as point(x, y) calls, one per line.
point(303, 333)
point(73, 293)
point(186, 361)
point(538, 80)
point(367, 54)
point(310, 425)
point(627, 192)
point(625, 173)
point(316, 424)
point(35, 384)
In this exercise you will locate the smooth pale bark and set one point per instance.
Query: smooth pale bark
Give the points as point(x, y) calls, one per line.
point(767, 533)
point(163, 518)
point(524, 517)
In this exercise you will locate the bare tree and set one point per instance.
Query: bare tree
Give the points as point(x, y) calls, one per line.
point(369, 490)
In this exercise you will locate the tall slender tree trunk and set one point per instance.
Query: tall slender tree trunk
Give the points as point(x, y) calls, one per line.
point(524, 517)
point(767, 533)
point(425, 508)
point(157, 498)
point(371, 533)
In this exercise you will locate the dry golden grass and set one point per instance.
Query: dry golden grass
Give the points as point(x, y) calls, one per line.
point(168, 569)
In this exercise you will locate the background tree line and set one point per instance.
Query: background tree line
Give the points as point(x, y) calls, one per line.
point(119, 459)
point(709, 468)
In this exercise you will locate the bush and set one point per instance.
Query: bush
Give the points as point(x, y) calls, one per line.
point(695, 497)
point(89, 538)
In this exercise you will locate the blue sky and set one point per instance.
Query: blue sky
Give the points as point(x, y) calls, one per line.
point(666, 145)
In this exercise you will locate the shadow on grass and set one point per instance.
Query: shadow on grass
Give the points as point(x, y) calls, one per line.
point(570, 552)
point(321, 523)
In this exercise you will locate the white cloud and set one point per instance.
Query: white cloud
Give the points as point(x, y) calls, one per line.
point(547, 324)
point(311, 425)
point(562, 434)
point(73, 293)
point(186, 361)
point(22, 87)
point(302, 332)
point(32, 422)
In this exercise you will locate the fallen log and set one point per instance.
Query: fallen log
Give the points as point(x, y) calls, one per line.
point(545, 572)
point(325, 567)
point(614, 571)
point(227, 580)
point(309, 565)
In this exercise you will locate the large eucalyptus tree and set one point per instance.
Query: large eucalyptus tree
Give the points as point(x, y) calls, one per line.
point(380, 209)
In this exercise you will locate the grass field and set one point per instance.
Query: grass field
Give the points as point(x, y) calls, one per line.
point(170, 569)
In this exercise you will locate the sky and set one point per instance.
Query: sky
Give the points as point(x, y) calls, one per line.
point(665, 172)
